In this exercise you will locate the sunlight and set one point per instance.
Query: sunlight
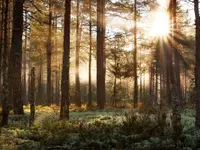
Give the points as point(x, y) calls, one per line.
point(160, 25)
point(163, 3)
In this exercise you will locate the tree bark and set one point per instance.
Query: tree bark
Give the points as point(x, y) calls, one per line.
point(32, 98)
point(40, 92)
point(101, 60)
point(1, 44)
point(77, 77)
point(176, 116)
point(197, 63)
point(135, 97)
point(49, 53)
point(90, 56)
point(64, 110)
point(25, 62)
point(15, 63)
point(5, 101)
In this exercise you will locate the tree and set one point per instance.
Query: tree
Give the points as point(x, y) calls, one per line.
point(176, 117)
point(64, 107)
point(197, 63)
point(101, 60)
point(49, 52)
point(5, 101)
point(77, 77)
point(1, 41)
point(15, 63)
point(135, 97)
point(25, 60)
point(90, 56)
point(32, 98)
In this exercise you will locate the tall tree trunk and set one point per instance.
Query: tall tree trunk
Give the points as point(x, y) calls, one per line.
point(64, 110)
point(185, 85)
point(77, 77)
point(114, 91)
point(157, 68)
point(16, 57)
point(176, 117)
point(25, 62)
point(57, 89)
point(39, 98)
point(90, 56)
point(32, 98)
point(57, 84)
point(49, 52)
point(144, 87)
point(5, 101)
point(1, 44)
point(141, 93)
point(135, 97)
point(101, 60)
point(197, 63)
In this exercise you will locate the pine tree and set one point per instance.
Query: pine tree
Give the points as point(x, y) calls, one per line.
point(101, 60)
point(197, 63)
point(64, 107)
point(15, 62)
point(5, 101)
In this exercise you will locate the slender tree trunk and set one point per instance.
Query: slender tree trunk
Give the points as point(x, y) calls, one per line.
point(32, 98)
point(144, 87)
point(157, 68)
point(141, 96)
point(77, 77)
point(1, 44)
point(90, 56)
point(135, 57)
point(16, 57)
point(40, 91)
point(114, 91)
point(64, 110)
point(5, 101)
point(57, 83)
point(49, 53)
point(176, 117)
point(25, 62)
point(57, 89)
point(185, 83)
point(169, 63)
point(197, 63)
point(101, 60)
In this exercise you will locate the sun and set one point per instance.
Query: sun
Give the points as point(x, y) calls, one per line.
point(160, 25)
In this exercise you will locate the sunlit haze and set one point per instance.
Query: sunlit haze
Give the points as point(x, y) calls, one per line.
point(160, 25)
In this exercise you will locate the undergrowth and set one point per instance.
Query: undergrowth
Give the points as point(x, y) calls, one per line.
point(101, 130)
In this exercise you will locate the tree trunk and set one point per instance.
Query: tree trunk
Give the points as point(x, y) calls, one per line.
point(176, 117)
point(114, 91)
point(141, 93)
point(101, 60)
point(64, 110)
point(32, 98)
point(16, 57)
point(90, 57)
point(25, 62)
point(144, 87)
point(1, 44)
point(49, 52)
point(135, 97)
point(5, 101)
point(77, 77)
point(197, 63)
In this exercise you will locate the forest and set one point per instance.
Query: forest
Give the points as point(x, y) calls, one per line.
point(99, 75)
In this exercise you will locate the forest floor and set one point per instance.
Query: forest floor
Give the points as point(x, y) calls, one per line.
point(111, 128)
